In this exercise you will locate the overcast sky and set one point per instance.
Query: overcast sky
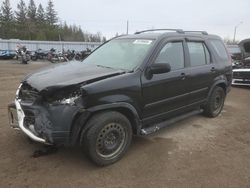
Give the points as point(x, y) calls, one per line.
point(109, 16)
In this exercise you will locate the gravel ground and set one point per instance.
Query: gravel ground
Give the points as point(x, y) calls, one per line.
point(196, 152)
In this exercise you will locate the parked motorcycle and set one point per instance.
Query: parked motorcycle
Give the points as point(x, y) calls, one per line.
point(55, 57)
point(80, 56)
point(39, 54)
point(69, 54)
point(23, 54)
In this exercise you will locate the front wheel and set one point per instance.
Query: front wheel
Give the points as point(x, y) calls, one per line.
point(24, 61)
point(108, 137)
point(215, 102)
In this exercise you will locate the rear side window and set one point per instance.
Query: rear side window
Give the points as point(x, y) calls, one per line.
point(199, 54)
point(220, 49)
point(173, 54)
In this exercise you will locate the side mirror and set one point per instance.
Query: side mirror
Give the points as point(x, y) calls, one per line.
point(157, 68)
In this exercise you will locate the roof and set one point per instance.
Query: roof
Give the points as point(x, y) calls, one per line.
point(157, 35)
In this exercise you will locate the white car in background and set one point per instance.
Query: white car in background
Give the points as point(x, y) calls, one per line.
point(241, 76)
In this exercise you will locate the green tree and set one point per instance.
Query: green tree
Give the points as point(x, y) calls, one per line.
point(31, 10)
point(40, 14)
point(21, 20)
point(41, 23)
point(51, 14)
point(6, 20)
point(35, 23)
point(21, 12)
point(32, 25)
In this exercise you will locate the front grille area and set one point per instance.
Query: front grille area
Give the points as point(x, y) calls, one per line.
point(241, 75)
point(241, 82)
point(28, 93)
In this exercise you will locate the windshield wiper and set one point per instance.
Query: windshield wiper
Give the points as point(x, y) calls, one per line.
point(104, 66)
point(125, 70)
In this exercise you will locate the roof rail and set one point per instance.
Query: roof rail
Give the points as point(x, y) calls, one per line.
point(176, 30)
point(202, 32)
point(122, 35)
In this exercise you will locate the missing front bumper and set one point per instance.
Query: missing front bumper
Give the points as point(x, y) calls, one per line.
point(16, 120)
point(12, 113)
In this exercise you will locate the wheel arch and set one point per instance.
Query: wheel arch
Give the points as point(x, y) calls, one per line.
point(79, 123)
point(124, 108)
point(220, 83)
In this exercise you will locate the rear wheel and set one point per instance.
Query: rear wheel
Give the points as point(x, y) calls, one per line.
point(34, 58)
point(108, 137)
point(24, 62)
point(215, 102)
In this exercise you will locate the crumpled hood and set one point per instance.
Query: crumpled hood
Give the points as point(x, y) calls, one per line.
point(69, 73)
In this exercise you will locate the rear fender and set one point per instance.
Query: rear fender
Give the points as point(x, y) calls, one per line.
point(222, 83)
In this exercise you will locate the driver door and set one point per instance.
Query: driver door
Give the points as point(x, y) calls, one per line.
point(165, 93)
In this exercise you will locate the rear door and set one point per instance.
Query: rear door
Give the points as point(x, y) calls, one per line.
point(201, 70)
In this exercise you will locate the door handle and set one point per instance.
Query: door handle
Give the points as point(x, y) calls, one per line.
point(183, 76)
point(213, 69)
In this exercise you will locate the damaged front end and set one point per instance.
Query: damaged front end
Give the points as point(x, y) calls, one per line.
point(20, 120)
point(45, 116)
point(49, 101)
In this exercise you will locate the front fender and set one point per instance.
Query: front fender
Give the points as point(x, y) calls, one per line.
point(114, 105)
point(123, 107)
point(80, 124)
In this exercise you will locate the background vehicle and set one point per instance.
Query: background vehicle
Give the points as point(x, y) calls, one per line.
point(241, 71)
point(236, 55)
point(23, 54)
point(241, 76)
point(39, 54)
point(7, 54)
point(56, 57)
point(134, 84)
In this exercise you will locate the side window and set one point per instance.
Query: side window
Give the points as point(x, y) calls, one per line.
point(199, 54)
point(173, 54)
point(220, 49)
point(208, 56)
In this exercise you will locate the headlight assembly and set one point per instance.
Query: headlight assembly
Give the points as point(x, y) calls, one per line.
point(70, 101)
point(64, 97)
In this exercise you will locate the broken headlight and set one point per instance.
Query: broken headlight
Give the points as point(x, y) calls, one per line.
point(70, 101)
point(64, 97)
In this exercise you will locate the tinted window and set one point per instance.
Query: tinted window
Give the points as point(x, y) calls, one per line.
point(199, 54)
point(172, 53)
point(220, 49)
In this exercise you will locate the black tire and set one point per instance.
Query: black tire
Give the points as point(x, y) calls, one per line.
point(108, 137)
point(34, 58)
point(215, 102)
point(24, 62)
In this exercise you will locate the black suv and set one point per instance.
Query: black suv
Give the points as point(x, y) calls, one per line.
point(131, 85)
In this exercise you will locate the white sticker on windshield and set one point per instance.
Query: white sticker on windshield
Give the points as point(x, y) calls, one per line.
point(146, 42)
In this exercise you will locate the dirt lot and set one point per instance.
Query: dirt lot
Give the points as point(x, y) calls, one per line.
point(197, 152)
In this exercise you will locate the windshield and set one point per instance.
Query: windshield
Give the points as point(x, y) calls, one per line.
point(123, 54)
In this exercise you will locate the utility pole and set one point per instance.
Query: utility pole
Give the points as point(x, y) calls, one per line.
point(235, 29)
point(127, 26)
